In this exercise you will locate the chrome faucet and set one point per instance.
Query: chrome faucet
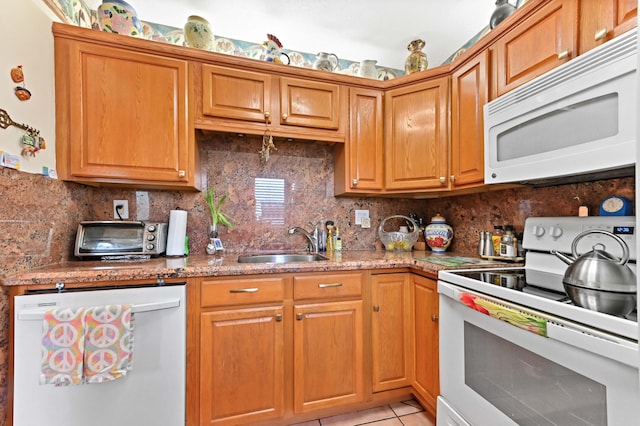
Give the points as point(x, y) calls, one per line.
point(311, 236)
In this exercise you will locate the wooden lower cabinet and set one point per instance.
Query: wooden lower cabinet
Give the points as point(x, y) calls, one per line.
point(391, 339)
point(328, 355)
point(242, 365)
point(426, 381)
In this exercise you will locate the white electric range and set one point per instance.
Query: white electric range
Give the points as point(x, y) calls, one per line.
point(514, 350)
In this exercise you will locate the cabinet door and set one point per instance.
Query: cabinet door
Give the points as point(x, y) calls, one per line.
point(543, 41)
point(469, 93)
point(424, 294)
point(602, 20)
point(328, 355)
point(359, 164)
point(235, 94)
point(391, 331)
point(127, 116)
point(241, 366)
point(309, 104)
point(416, 136)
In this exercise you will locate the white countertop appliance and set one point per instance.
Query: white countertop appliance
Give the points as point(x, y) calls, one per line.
point(575, 122)
point(152, 393)
point(514, 350)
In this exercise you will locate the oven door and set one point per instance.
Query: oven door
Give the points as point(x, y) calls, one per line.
point(529, 369)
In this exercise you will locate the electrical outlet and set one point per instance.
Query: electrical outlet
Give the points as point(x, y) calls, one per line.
point(361, 214)
point(121, 207)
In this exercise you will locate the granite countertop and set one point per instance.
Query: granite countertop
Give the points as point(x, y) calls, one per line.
point(227, 265)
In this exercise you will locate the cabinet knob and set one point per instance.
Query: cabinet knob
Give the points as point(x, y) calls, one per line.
point(299, 317)
point(182, 173)
point(284, 117)
point(279, 317)
point(267, 114)
point(434, 318)
point(442, 179)
point(376, 308)
point(452, 178)
point(355, 182)
point(563, 55)
point(600, 34)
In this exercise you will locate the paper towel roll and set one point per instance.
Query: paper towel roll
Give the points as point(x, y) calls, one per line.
point(177, 232)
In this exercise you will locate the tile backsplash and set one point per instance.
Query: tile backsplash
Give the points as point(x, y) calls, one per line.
point(40, 215)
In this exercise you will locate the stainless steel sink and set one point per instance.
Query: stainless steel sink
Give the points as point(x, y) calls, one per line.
point(281, 258)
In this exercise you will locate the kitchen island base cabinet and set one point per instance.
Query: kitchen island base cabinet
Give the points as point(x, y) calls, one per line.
point(426, 383)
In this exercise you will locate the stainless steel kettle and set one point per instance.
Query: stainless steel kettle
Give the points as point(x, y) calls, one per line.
point(598, 269)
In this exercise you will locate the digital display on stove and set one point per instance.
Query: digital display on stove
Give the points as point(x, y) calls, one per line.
point(623, 230)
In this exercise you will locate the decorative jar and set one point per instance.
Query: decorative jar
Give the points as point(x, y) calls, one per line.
point(417, 59)
point(438, 234)
point(502, 11)
point(197, 33)
point(326, 62)
point(119, 17)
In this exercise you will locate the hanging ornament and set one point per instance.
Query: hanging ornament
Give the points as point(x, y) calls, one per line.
point(17, 75)
point(267, 147)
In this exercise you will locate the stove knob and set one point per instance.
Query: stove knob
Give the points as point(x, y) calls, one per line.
point(151, 237)
point(555, 232)
point(150, 246)
point(538, 231)
point(151, 228)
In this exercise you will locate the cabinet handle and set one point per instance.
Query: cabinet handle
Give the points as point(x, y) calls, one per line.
point(600, 34)
point(330, 285)
point(376, 308)
point(182, 173)
point(452, 178)
point(355, 182)
point(434, 318)
point(244, 290)
point(284, 117)
point(562, 55)
point(299, 317)
point(279, 317)
point(442, 179)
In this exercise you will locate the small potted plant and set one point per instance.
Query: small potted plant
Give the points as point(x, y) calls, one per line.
point(217, 216)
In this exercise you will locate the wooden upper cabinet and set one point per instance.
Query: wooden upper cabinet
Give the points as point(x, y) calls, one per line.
point(469, 94)
point(602, 20)
point(236, 94)
point(238, 100)
point(359, 163)
point(309, 104)
point(123, 117)
point(416, 136)
point(541, 42)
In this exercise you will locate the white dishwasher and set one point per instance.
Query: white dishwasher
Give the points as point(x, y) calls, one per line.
point(152, 393)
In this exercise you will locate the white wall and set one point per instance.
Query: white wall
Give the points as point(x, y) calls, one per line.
point(25, 31)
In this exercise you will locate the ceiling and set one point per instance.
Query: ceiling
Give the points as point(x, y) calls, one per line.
point(352, 29)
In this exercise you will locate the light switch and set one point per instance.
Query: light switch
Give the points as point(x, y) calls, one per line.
point(360, 214)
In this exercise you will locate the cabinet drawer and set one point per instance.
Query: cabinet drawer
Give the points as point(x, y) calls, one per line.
point(241, 291)
point(327, 286)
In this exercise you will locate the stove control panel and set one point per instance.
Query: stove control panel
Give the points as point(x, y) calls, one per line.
point(557, 233)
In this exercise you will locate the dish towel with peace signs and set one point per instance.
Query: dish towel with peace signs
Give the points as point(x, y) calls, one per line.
point(86, 345)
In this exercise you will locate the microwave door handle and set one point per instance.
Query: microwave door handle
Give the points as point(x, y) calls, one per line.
point(38, 313)
point(606, 346)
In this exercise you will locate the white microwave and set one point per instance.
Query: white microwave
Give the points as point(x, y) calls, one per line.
point(576, 122)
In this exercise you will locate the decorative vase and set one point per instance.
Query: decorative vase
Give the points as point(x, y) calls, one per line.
point(197, 33)
point(368, 69)
point(503, 9)
point(119, 17)
point(417, 59)
point(326, 62)
point(438, 234)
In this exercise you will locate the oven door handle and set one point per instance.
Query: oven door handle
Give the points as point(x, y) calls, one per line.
point(617, 349)
point(38, 313)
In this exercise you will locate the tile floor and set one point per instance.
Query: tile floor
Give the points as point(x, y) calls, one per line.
point(406, 413)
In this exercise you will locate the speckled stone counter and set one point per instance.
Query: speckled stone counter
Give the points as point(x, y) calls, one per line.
point(227, 265)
